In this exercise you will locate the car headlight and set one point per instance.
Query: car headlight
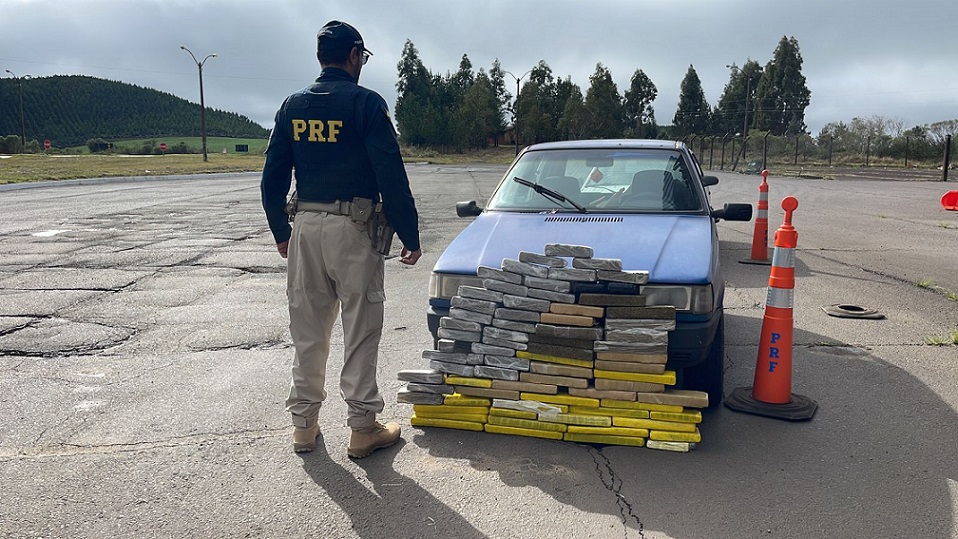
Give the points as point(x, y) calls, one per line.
point(446, 285)
point(693, 299)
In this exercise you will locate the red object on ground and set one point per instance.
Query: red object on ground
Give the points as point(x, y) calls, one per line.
point(949, 200)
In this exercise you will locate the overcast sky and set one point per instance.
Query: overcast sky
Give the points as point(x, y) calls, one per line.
point(892, 58)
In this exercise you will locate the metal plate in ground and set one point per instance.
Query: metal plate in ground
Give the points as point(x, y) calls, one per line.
point(844, 310)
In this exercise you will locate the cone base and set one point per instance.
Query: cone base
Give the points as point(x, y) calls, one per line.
point(767, 262)
point(800, 408)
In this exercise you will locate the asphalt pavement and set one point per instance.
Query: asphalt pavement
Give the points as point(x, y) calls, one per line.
point(144, 362)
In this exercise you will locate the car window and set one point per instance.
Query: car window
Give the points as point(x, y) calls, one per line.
point(617, 180)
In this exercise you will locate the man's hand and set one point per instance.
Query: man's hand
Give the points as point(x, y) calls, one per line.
point(410, 257)
point(284, 247)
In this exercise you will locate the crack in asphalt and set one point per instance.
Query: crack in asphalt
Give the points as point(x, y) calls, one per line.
point(613, 483)
point(199, 439)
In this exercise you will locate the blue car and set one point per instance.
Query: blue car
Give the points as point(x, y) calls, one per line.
point(645, 202)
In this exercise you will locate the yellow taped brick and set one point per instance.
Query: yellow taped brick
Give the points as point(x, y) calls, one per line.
point(567, 320)
point(527, 424)
point(610, 412)
point(692, 416)
point(587, 363)
point(561, 398)
point(681, 447)
point(445, 423)
point(577, 419)
point(610, 403)
point(439, 410)
point(470, 382)
point(677, 397)
point(604, 439)
point(516, 431)
point(615, 431)
point(464, 400)
point(665, 436)
point(652, 424)
point(517, 414)
point(666, 378)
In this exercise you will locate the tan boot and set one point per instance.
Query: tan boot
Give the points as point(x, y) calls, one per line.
point(363, 442)
point(304, 438)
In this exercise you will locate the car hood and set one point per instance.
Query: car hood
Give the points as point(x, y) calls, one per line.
point(672, 248)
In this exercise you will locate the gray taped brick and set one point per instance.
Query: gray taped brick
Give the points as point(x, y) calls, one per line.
point(555, 297)
point(482, 348)
point(452, 357)
point(506, 362)
point(462, 325)
point(634, 277)
point(526, 304)
point(496, 373)
point(512, 325)
point(474, 292)
point(499, 333)
point(420, 376)
point(572, 274)
point(607, 264)
point(522, 268)
point(442, 389)
point(452, 368)
point(517, 315)
point(552, 285)
point(485, 272)
point(477, 305)
point(459, 335)
point(417, 397)
point(542, 260)
point(564, 249)
point(470, 316)
point(504, 287)
point(505, 343)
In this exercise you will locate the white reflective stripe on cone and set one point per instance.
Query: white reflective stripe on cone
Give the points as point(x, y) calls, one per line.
point(784, 257)
point(781, 298)
point(762, 214)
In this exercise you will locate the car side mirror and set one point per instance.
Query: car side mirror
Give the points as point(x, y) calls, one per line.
point(471, 209)
point(708, 181)
point(734, 212)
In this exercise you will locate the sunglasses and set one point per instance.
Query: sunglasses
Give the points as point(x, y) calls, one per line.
point(365, 57)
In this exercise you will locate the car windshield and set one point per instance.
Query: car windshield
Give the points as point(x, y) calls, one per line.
point(601, 180)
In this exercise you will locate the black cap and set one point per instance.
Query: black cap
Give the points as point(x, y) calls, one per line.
point(339, 35)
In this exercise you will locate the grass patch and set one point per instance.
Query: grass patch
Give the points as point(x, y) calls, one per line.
point(947, 225)
point(925, 283)
point(951, 339)
point(43, 167)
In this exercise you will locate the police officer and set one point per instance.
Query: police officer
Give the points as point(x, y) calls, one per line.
point(338, 138)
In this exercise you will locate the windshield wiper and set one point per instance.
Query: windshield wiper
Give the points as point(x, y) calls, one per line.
point(549, 193)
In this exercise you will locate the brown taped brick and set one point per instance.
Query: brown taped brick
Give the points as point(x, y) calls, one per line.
point(625, 385)
point(661, 312)
point(602, 394)
point(560, 351)
point(528, 387)
point(625, 366)
point(585, 344)
point(566, 320)
point(553, 369)
point(577, 310)
point(564, 381)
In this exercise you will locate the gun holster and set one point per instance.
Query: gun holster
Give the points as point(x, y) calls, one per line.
point(380, 231)
point(291, 206)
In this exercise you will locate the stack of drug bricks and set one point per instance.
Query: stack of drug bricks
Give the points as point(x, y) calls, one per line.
point(549, 351)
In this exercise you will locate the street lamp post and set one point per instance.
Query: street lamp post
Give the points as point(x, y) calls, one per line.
point(748, 91)
point(199, 66)
point(515, 113)
point(23, 129)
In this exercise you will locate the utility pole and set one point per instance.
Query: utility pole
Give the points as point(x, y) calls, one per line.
point(515, 113)
point(199, 66)
point(23, 128)
point(748, 91)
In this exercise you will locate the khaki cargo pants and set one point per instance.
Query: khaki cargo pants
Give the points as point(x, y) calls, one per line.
point(332, 263)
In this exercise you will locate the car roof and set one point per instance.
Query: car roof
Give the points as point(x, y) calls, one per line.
point(639, 144)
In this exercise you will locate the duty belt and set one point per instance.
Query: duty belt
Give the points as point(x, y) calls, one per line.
point(340, 207)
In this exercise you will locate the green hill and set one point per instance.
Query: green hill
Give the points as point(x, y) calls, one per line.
point(69, 110)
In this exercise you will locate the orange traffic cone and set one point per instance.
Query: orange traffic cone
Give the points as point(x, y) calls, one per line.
point(771, 394)
point(760, 236)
